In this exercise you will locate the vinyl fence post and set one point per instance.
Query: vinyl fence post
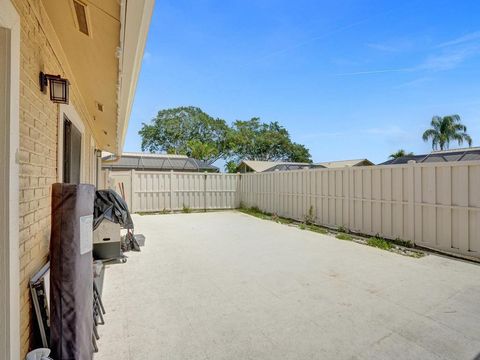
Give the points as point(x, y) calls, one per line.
point(239, 190)
point(411, 200)
point(171, 190)
point(351, 196)
point(205, 192)
point(132, 189)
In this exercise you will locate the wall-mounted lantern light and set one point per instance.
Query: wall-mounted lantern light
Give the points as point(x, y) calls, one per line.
point(58, 87)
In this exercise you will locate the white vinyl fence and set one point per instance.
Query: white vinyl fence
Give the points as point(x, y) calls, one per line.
point(153, 191)
point(435, 205)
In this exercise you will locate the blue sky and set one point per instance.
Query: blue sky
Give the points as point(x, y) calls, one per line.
point(349, 79)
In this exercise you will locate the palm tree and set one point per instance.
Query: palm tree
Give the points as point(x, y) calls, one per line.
point(445, 129)
point(400, 153)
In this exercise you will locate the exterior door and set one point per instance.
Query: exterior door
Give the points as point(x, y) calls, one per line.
point(72, 152)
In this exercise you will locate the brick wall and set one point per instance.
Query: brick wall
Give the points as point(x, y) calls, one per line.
point(37, 156)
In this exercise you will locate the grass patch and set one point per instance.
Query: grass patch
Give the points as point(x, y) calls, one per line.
point(163, 212)
point(379, 243)
point(280, 220)
point(317, 229)
point(375, 241)
point(416, 255)
point(404, 243)
point(186, 209)
point(255, 211)
point(343, 236)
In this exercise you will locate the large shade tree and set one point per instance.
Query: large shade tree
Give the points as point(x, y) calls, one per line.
point(255, 140)
point(190, 131)
point(186, 131)
point(446, 129)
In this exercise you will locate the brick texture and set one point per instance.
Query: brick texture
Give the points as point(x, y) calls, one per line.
point(37, 157)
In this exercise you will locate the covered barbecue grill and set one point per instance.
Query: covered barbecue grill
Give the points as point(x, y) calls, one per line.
point(110, 205)
point(110, 215)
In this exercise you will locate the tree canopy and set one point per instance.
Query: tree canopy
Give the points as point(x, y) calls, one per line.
point(231, 167)
point(254, 140)
point(192, 132)
point(186, 131)
point(446, 129)
point(400, 153)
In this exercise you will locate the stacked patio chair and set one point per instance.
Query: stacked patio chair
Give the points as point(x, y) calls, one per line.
point(98, 312)
point(39, 290)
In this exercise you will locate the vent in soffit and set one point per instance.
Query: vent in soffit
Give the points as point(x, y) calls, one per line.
point(81, 14)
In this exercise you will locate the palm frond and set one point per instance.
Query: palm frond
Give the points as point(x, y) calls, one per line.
point(430, 133)
point(445, 129)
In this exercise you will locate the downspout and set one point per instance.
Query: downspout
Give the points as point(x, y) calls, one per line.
point(114, 159)
point(98, 166)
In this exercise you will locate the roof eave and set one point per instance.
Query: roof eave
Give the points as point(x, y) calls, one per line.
point(135, 22)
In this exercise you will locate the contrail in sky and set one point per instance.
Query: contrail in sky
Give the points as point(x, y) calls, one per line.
point(368, 72)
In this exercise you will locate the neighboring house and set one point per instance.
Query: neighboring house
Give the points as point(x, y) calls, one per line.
point(247, 166)
point(404, 159)
point(54, 132)
point(462, 154)
point(289, 167)
point(344, 163)
point(156, 162)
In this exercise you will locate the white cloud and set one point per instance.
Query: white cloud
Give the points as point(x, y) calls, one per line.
point(461, 40)
point(379, 71)
point(393, 46)
point(446, 60)
point(449, 60)
point(447, 56)
point(413, 83)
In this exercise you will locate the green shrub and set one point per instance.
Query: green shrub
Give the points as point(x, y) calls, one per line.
point(186, 209)
point(302, 226)
point(379, 242)
point(343, 236)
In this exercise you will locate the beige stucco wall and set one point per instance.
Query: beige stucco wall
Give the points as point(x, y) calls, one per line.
point(38, 154)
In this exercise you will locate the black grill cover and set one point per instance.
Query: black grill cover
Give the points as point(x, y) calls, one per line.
point(111, 206)
point(71, 290)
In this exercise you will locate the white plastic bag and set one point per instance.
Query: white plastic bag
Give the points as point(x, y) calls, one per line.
point(39, 354)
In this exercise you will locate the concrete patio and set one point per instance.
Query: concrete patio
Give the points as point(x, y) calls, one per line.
point(230, 286)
